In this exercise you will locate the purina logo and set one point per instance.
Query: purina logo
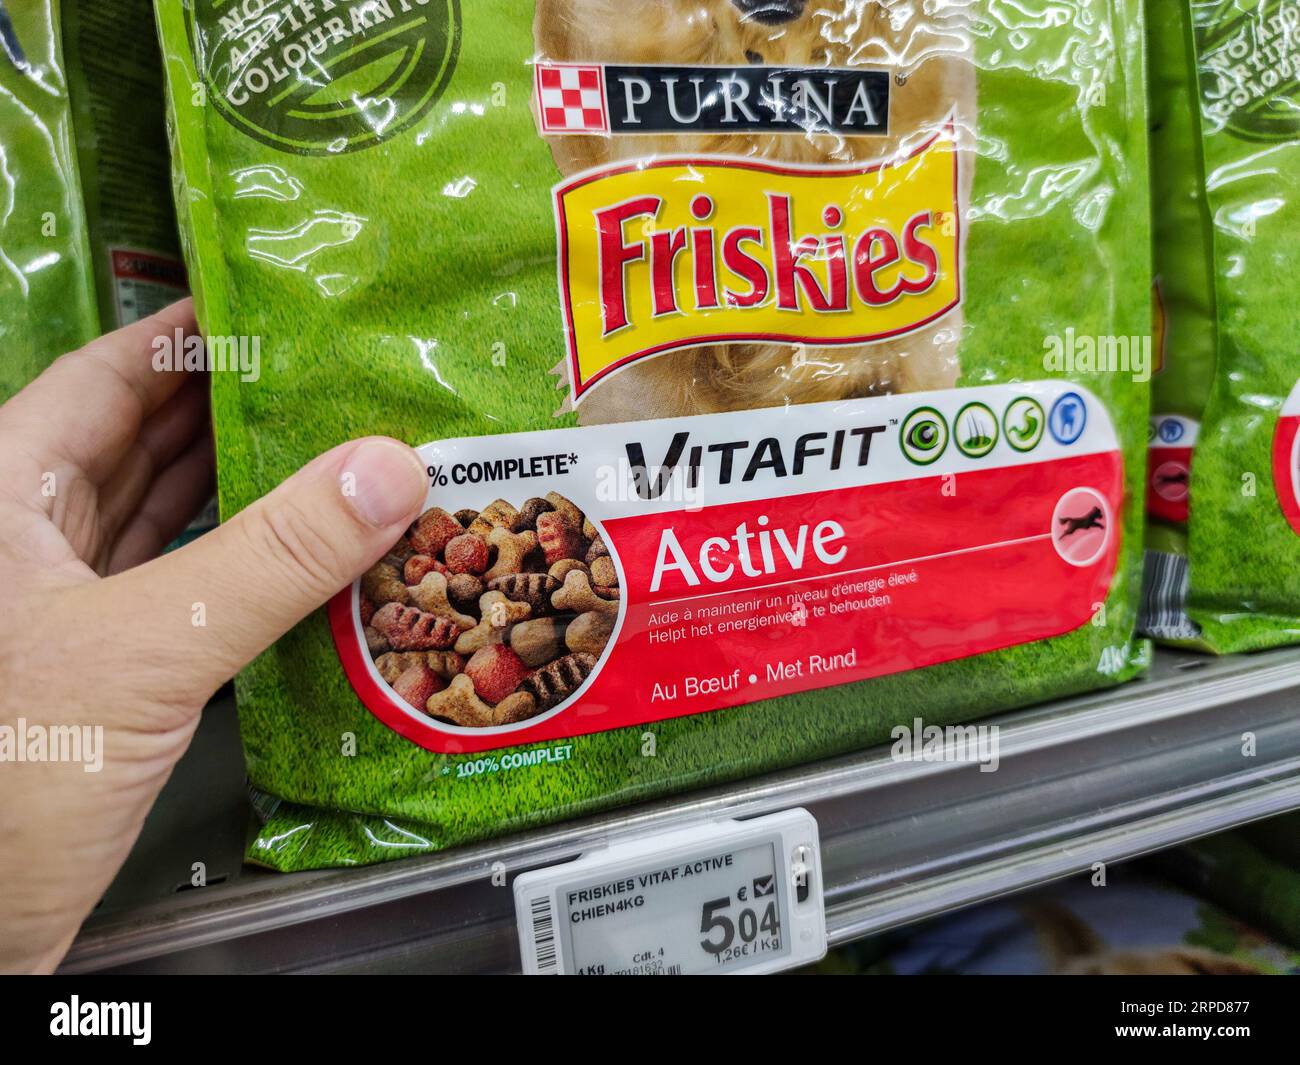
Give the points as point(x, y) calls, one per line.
point(604, 99)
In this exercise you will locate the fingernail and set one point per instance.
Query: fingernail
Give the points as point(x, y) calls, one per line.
point(383, 480)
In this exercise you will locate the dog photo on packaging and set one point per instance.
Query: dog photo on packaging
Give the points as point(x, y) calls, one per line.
point(926, 53)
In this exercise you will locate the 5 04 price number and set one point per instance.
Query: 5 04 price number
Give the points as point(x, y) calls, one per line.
point(755, 930)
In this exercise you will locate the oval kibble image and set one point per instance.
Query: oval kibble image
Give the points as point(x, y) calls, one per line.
point(489, 618)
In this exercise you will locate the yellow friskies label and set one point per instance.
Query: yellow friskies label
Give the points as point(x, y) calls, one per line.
point(669, 253)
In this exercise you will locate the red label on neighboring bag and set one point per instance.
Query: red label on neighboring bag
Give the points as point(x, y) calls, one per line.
point(1286, 458)
point(813, 546)
point(1169, 466)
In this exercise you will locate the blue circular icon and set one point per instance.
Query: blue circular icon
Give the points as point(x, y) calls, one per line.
point(1171, 430)
point(1069, 416)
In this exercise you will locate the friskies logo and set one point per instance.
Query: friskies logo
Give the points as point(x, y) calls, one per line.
point(667, 253)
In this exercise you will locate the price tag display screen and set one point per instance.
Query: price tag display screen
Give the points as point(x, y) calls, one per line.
point(710, 912)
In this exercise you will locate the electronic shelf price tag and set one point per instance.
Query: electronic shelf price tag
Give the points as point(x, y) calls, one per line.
point(722, 897)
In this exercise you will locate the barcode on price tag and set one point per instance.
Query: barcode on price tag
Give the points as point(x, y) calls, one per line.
point(543, 934)
point(720, 897)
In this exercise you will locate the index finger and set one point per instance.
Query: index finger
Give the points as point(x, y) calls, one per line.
point(87, 408)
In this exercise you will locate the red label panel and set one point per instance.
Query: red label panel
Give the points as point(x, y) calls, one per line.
point(1168, 478)
point(1286, 476)
point(832, 587)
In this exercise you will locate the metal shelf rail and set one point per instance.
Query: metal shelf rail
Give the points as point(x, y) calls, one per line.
point(1098, 778)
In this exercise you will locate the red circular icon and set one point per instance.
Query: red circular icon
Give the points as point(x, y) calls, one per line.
point(1169, 481)
point(1081, 526)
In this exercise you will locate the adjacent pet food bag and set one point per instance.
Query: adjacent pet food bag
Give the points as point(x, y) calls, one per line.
point(115, 74)
point(47, 300)
point(88, 238)
point(731, 334)
point(1223, 493)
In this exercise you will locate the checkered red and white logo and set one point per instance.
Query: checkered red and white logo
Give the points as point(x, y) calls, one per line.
point(571, 98)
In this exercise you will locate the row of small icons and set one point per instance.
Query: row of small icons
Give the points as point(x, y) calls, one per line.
point(976, 429)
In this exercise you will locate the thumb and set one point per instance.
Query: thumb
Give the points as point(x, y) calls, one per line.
point(223, 599)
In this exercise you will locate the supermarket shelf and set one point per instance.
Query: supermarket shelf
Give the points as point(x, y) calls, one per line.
point(1098, 778)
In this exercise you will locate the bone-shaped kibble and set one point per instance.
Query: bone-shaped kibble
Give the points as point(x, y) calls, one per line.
point(535, 589)
point(596, 549)
point(497, 513)
point(444, 663)
point(603, 571)
point(383, 583)
point(460, 704)
point(430, 595)
point(499, 613)
point(568, 508)
point(566, 566)
point(529, 513)
point(577, 596)
point(512, 549)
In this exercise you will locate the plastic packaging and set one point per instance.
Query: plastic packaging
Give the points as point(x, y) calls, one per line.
point(45, 284)
point(1223, 493)
point(734, 337)
point(88, 238)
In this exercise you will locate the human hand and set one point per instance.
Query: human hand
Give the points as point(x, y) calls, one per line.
point(103, 461)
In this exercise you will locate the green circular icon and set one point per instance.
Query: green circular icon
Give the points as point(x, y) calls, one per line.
point(976, 430)
point(319, 79)
point(1023, 423)
point(924, 435)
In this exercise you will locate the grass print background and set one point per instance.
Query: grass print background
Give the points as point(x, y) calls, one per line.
point(46, 289)
point(1227, 225)
point(392, 331)
point(1244, 556)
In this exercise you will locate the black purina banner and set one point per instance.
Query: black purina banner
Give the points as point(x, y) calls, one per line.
point(654, 99)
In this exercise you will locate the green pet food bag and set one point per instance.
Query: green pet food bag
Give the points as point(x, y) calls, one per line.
point(88, 237)
point(47, 300)
point(734, 338)
point(119, 117)
point(1223, 492)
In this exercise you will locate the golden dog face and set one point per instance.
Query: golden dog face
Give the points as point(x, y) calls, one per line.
point(933, 85)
